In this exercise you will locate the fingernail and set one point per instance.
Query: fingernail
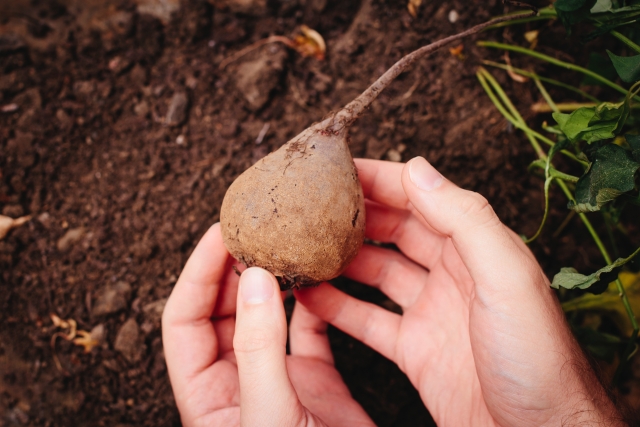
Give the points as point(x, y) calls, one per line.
point(423, 175)
point(256, 286)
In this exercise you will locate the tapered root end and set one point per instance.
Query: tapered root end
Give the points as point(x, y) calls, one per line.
point(287, 283)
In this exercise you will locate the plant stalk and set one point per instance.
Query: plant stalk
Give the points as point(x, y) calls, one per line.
point(533, 75)
point(557, 62)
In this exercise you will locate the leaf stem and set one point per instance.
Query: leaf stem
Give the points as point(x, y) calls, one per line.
point(624, 39)
point(533, 75)
point(484, 76)
point(554, 61)
point(546, 95)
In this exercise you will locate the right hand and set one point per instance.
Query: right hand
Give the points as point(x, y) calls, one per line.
point(482, 336)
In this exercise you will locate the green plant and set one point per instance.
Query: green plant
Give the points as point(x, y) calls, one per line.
point(602, 138)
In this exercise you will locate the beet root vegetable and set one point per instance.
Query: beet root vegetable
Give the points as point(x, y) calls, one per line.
point(299, 212)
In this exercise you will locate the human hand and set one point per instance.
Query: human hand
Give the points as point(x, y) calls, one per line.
point(226, 351)
point(482, 336)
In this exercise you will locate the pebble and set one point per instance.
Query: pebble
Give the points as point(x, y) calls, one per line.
point(177, 112)
point(71, 237)
point(141, 109)
point(45, 219)
point(111, 299)
point(9, 108)
point(153, 310)
point(98, 333)
point(128, 341)
point(394, 156)
point(257, 78)
point(161, 9)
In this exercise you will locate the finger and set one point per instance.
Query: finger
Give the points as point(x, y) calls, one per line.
point(226, 303)
point(266, 394)
point(308, 335)
point(189, 338)
point(225, 329)
point(408, 231)
point(374, 326)
point(381, 182)
point(396, 276)
point(477, 233)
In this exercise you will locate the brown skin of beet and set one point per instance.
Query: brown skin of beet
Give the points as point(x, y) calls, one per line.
point(299, 212)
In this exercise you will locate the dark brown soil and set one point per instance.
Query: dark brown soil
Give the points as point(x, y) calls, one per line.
point(127, 134)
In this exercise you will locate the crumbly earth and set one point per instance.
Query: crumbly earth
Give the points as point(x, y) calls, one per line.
point(126, 135)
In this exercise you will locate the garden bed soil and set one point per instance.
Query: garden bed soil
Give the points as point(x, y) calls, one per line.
point(125, 134)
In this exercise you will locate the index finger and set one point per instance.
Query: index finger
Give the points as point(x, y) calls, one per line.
point(188, 335)
point(382, 182)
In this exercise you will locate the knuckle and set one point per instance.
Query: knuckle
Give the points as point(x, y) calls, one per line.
point(254, 341)
point(477, 207)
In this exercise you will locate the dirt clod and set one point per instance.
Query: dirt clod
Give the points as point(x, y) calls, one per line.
point(258, 77)
point(128, 341)
point(177, 111)
point(71, 237)
point(111, 298)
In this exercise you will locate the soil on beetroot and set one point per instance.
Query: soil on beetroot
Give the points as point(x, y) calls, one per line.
point(127, 134)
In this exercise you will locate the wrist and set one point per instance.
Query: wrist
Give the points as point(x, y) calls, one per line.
point(584, 399)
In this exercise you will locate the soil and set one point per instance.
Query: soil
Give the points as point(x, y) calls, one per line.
point(125, 134)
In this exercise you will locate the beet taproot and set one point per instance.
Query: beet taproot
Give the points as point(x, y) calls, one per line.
point(299, 212)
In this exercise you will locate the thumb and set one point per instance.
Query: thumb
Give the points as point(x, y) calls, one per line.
point(267, 397)
point(485, 245)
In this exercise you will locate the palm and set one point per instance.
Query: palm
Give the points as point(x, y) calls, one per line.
point(442, 356)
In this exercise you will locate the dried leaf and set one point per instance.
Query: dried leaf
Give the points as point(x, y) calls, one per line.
point(310, 43)
point(517, 77)
point(531, 36)
point(457, 51)
point(86, 340)
point(413, 7)
point(7, 223)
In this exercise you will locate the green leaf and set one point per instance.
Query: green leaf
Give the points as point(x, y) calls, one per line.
point(601, 65)
point(591, 124)
point(597, 283)
point(574, 123)
point(627, 67)
point(602, 6)
point(571, 12)
point(610, 174)
point(634, 143)
point(569, 5)
point(608, 119)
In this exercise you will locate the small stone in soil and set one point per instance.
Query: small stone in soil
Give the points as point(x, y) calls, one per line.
point(257, 78)
point(111, 299)
point(177, 112)
point(128, 341)
point(153, 310)
point(71, 237)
